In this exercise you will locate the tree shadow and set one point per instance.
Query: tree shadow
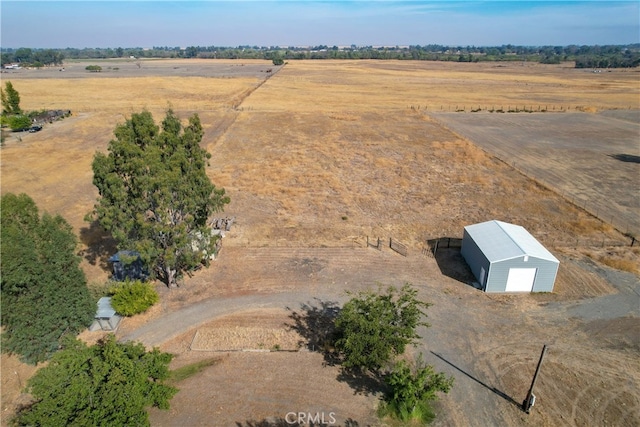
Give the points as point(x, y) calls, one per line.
point(363, 382)
point(446, 252)
point(629, 158)
point(99, 245)
point(493, 389)
point(276, 422)
point(315, 323)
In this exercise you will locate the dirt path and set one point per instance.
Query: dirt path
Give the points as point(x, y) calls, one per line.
point(489, 343)
point(342, 156)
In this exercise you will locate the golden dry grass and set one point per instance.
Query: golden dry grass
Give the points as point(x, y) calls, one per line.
point(126, 95)
point(324, 152)
point(245, 338)
point(318, 142)
point(390, 85)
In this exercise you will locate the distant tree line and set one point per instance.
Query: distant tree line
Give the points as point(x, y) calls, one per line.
point(33, 57)
point(607, 56)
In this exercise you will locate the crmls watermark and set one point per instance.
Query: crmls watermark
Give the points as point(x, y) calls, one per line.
point(316, 419)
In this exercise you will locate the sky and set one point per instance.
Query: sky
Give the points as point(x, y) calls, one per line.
point(115, 23)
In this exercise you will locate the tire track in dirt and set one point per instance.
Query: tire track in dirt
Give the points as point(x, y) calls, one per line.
point(220, 128)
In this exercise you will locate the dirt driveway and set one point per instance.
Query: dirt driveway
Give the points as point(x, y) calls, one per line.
point(311, 174)
point(489, 343)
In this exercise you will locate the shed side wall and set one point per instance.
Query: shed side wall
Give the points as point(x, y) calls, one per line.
point(474, 257)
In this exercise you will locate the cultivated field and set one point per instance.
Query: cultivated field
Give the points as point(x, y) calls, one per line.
point(593, 159)
point(318, 155)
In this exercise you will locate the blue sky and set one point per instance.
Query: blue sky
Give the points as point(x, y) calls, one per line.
point(114, 23)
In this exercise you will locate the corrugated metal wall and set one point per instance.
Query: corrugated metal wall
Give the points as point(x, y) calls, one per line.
point(498, 272)
point(474, 256)
point(545, 275)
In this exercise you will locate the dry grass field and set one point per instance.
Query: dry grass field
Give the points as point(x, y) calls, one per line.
point(593, 159)
point(320, 155)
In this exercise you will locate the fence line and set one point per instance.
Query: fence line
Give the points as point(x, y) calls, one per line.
point(600, 211)
point(377, 246)
point(398, 247)
point(511, 108)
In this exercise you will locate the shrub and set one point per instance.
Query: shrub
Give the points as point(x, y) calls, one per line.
point(18, 123)
point(130, 298)
point(411, 389)
point(93, 68)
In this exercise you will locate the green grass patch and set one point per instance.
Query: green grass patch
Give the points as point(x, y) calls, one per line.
point(190, 370)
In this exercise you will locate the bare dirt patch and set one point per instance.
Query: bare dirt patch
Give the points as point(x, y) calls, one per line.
point(321, 156)
point(251, 332)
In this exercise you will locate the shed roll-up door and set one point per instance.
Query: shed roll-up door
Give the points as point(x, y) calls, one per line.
point(520, 279)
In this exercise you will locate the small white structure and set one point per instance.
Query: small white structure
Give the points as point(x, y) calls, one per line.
point(106, 318)
point(506, 258)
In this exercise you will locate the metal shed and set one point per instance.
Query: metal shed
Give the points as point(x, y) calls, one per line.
point(106, 318)
point(507, 258)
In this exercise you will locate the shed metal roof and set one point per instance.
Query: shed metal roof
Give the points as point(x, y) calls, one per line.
point(501, 241)
point(105, 311)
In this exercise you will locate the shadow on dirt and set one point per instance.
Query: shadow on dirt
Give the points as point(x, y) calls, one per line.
point(298, 419)
point(446, 251)
point(363, 383)
point(315, 323)
point(275, 422)
point(493, 389)
point(629, 158)
point(99, 245)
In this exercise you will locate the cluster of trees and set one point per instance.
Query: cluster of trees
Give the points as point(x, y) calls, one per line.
point(106, 384)
point(44, 292)
point(371, 331)
point(32, 57)
point(12, 114)
point(613, 56)
point(156, 198)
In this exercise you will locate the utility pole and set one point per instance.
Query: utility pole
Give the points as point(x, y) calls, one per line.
point(531, 398)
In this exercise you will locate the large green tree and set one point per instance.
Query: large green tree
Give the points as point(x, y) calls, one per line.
point(107, 384)
point(10, 100)
point(155, 195)
point(372, 328)
point(44, 292)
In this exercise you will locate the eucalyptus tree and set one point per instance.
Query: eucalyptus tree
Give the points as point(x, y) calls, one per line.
point(155, 196)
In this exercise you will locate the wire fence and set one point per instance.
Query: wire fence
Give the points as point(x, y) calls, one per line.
point(600, 209)
point(512, 108)
point(628, 225)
